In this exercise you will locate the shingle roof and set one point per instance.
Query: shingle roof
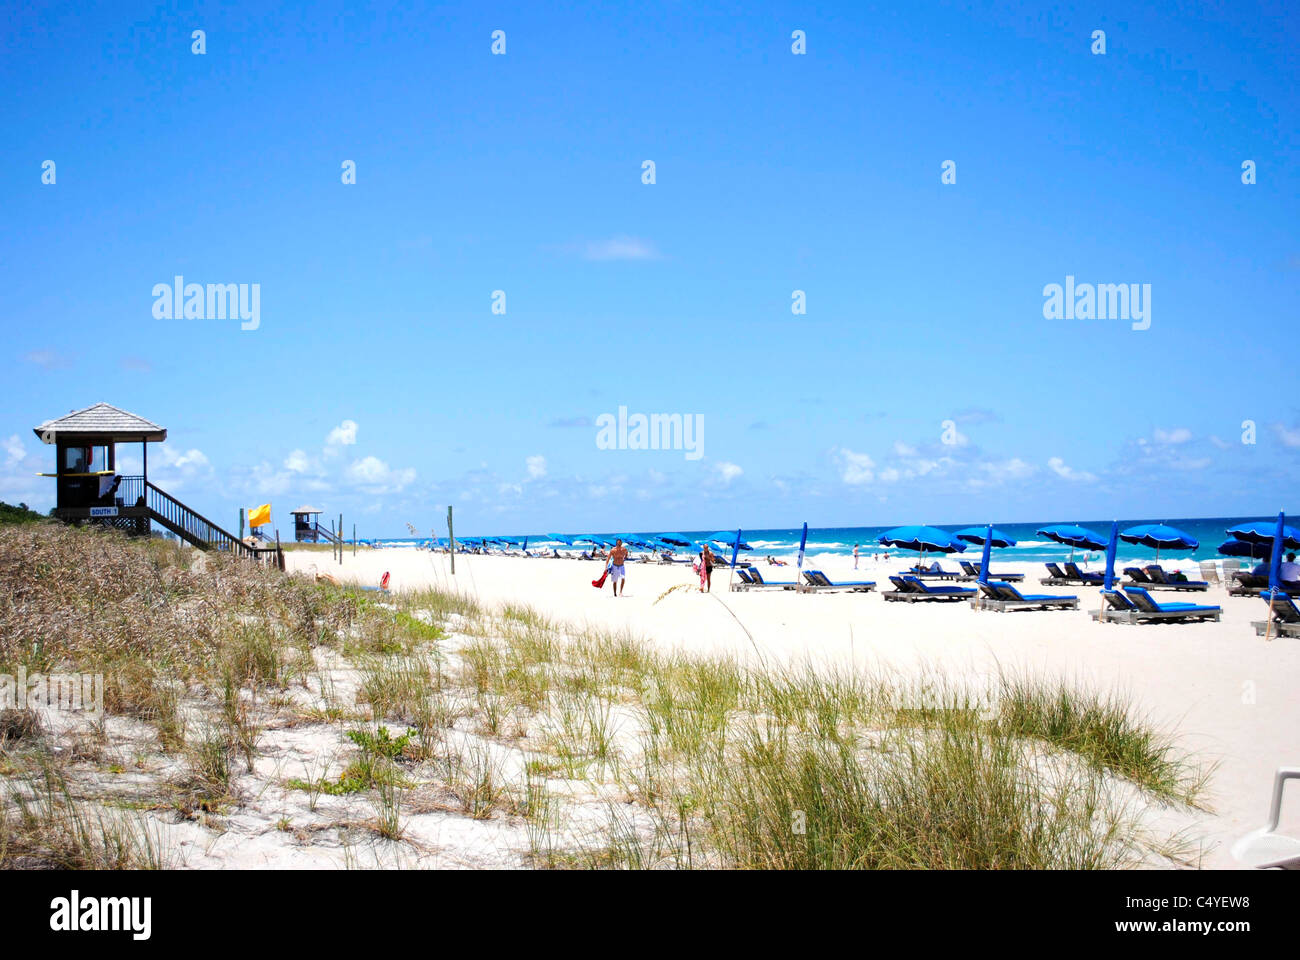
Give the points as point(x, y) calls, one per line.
point(101, 420)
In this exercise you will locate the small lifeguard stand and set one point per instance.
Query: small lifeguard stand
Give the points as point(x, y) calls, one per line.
point(306, 528)
point(87, 485)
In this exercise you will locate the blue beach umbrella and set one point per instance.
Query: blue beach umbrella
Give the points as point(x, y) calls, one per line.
point(1232, 547)
point(1263, 531)
point(922, 538)
point(567, 541)
point(977, 535)
point(803, 542)
point(1159, 535)
point(984, 557)
point(729, 539)
point(676, 540)
point(1073, 536)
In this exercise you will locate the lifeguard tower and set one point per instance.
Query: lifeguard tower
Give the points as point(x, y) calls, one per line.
point(88, 488)
point(87, 484)
point(307, 529)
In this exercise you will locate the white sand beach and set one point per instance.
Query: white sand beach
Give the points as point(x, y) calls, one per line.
point(1233, 697)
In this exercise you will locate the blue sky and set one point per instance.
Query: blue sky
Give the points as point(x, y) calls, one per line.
point(381, 385)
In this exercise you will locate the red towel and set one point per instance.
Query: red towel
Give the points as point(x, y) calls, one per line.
point(601, 582)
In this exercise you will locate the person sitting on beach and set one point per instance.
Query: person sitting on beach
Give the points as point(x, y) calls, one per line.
point(1261, 570)
point(773, 561)
point(1290, 570)
point(617, 556)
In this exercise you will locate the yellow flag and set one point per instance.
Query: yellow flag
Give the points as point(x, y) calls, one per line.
point(257, 516)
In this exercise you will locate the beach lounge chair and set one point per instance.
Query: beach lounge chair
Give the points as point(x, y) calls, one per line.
point(1286, 617)
point(1265, 848)
point(1136, 605)
point(759, 582)
point(1055, 576)
point(1162, 580)
point(934, 572)
point(1062, 578)
point(1247, 584)
point(1072, 570)
point(819, 582)
point(974, 571)
point(1138, 576)
point(912, 589)
point(1071, 576)
point(1002, 597)
point(1209, 571)
point(901, 587)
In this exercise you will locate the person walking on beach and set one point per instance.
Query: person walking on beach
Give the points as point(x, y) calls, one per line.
point(855, 556)
point(706, 569)
point(616, 558)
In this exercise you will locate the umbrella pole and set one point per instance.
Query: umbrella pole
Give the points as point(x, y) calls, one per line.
point(1268, 627)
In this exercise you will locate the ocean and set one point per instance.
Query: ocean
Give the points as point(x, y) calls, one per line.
point(837, 542)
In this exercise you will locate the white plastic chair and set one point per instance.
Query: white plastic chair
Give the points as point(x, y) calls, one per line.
point(1265, 847)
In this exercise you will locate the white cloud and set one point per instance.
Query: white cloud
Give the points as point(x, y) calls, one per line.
point(728, 471)
point(268, 481)
point(376, 476)
point(1014, 469)
point(14, 451)
point(1289, 437)
point(903, 450)
point(536, 466)
point(1060, 468)
point(1178, 435)
point(344, 435)
point(855, 468)
point(187, 462)
point(298, 462)
point(48, 359)
point(621, 248)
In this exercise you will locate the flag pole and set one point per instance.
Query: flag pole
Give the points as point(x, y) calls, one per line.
point(451, 541)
